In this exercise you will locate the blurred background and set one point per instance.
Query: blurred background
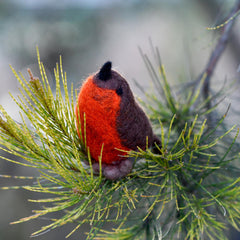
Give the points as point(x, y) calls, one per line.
point(89, 32)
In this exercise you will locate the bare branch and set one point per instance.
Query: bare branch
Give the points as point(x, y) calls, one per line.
point(221, 45)
point(217, 52)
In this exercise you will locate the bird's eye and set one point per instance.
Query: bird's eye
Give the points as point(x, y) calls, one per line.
point(119, 91)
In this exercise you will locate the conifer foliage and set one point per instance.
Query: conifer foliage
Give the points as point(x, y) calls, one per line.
point(190, 190)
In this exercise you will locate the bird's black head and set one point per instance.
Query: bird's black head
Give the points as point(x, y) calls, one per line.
point(105, 72)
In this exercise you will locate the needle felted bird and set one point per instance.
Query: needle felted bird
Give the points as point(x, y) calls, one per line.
point(110, 120)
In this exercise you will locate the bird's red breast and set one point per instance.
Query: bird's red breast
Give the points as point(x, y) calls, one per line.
point(100, 107)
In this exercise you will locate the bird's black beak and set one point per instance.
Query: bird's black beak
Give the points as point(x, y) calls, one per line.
point(105, 71)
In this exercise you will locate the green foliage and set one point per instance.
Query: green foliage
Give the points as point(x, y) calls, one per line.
point(189, 190)
point(185, 106)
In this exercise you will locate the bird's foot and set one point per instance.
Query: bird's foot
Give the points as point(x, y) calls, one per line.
point(116, 170)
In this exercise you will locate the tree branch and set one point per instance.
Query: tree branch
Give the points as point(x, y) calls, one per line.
point(217, 52)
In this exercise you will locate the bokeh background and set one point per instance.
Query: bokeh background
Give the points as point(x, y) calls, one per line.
point(89, 32)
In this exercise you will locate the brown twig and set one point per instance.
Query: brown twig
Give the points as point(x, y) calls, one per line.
point(217, 52)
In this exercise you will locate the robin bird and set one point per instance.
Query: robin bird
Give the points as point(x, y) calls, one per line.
point(111, 121)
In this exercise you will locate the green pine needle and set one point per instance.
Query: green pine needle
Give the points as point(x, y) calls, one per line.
point(189, 188)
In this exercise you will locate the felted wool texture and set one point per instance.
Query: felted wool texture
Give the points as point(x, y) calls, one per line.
point(132, 124)
point(101, 107)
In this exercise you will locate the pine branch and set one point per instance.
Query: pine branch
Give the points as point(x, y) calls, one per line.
point(189, 189)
